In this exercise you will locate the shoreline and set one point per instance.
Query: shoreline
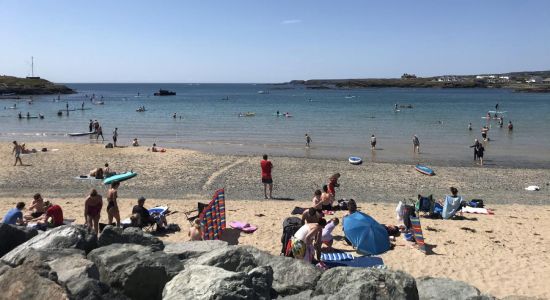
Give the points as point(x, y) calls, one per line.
point(188, 174)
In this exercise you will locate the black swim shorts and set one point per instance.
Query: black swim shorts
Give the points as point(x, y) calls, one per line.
point(267, 180)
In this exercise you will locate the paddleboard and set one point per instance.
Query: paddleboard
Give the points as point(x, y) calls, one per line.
point(424, 170)
point(25, 117)
point(79, 133)
point(86, 108)
point(498, 112)
point(354, 160)
point(120, 177)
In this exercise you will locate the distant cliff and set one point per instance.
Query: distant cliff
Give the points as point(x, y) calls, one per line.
point(34, 86)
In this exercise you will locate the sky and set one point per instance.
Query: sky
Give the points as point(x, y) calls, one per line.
point(270, 41)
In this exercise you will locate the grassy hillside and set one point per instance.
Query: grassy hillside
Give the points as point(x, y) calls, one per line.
point(25, 86)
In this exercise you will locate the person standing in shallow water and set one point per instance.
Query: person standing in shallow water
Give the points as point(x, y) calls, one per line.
point(308, 140)
point(115, 136)
point(266, 166)
point(372, 142)
point(416, 144)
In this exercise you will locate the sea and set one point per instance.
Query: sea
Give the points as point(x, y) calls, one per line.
point(340, 122)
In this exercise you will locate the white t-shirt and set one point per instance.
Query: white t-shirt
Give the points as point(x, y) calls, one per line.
point(302, 232)
point(327, 232)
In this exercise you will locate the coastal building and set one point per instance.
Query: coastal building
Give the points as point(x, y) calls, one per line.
point(408, 76)
point(534, 79)
point(546, 81)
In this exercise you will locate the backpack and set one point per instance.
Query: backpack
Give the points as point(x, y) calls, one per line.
point(476, 203)
point(290, 226)
point(342, 205)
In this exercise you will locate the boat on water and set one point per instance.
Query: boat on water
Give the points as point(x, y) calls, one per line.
point(247, 114)
point(162, 92)
point(263, 92)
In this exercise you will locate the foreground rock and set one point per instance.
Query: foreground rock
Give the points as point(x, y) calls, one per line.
point(24, 282)
point(13, 236)
point(63, 237)
point(186, 250)
point(365, 283)
point(116, 235)
point(290, 276)
point(206, 282)
point(136, 270)
point(442, 288)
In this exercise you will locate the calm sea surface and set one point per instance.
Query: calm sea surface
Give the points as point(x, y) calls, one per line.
point(340, 122)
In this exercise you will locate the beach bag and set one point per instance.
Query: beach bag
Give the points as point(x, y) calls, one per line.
point(109, 145)
point(342, 205)
point(476, 203)
point(290, 226)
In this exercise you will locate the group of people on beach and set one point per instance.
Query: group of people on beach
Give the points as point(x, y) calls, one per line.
point(43, 213)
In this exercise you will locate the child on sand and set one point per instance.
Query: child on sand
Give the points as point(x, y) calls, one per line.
point(195, 232)
point(327, 237)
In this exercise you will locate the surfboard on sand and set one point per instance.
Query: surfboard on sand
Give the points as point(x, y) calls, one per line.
point(120, 177)
point(424, 170)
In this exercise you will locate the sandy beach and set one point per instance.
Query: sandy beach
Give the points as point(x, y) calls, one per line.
point(502, 254)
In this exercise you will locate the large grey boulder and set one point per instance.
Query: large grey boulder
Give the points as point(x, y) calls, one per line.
point(430, 288)
point(29, 255)
point(206, 282)
point(364, 283)
point(71, 267)
point(3, 268)
point(290, 276)
point(191, 249)
point(24, 282)
point(63, 237)
point(136, 270)
point(13, 236)
point(116, 235)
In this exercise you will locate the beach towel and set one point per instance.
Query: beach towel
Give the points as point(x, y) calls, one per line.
point(212, 218)
point(451, 206)
point(359, 262)
point(297, 211)
point(243, 226)
point(336, 256)
point(417, 233)
point(532, 188)
point(477, 210)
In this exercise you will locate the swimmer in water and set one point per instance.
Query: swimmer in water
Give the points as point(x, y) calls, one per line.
point(470, 126)
point(174, 116)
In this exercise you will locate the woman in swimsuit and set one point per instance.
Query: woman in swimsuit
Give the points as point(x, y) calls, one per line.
point(92, 210)
point(112, 206)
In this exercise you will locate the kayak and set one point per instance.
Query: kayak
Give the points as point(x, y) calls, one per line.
point(354, 160)
point(120, 177)
point(424, 170)
point(79, 133)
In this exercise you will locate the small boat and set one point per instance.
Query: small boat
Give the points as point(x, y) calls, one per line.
point(99, 102)
point(424, 170)
point(354, 160)
point(141, 110)
point(247, 114)
point(162, 92)
point(80, 133)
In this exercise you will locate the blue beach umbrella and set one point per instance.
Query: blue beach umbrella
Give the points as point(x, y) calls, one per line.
point(365, 234)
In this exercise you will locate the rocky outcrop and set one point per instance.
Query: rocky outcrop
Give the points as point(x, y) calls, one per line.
point(136, 270)
point(442, 288)
point(13, 236)
point(206, 282)
point(187, 250)
point(31, 86)
point(72, 267)
point(25, 282)
point(63, 237)
point(290, 276)
point(365, 283)
point(133, 235)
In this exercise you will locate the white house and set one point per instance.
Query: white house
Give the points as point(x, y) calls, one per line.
point(534, 79)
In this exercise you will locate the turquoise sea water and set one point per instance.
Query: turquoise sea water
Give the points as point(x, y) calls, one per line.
point(340, 122)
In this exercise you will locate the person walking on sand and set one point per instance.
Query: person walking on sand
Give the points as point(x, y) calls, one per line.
point(115, 136)
point(99, 132)
point(17, 150)
point(112, 206)
point(308, 140)
point(416, 144)
point(266, 176)
point(372, 142)
point(92, 210)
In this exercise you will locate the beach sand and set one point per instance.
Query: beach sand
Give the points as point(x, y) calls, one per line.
point(502, 254)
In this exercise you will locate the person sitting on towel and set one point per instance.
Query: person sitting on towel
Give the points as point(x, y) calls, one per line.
point(311, 215)
point(36, 208)
point(15, 215)
point(452, 204)
point(316, 201)
point(145, 217)
point(53, 216)
point(326, 199)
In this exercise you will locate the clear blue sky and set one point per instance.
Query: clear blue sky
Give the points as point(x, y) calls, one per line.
point(270, 41)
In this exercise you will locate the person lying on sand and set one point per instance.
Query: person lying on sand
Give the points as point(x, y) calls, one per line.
point(195, 232)
point(97, 173)
point(36, 208)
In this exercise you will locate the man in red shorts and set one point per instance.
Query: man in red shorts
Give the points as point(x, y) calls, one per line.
point(266, 176)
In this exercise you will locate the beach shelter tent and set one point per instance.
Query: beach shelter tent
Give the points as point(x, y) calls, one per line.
point(212, 218)
point(365, 234)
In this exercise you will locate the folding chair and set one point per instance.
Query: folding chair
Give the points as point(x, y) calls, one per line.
point(200, 208)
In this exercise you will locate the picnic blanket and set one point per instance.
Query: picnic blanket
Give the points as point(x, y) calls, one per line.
point(358, 262)
point(477, 210)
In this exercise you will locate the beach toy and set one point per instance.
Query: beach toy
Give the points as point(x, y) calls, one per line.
point(120, 177)
point(424, 170)
point(354, 160)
